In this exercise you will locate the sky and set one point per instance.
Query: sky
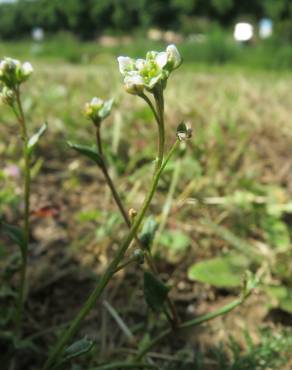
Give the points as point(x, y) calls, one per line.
point(7, 1)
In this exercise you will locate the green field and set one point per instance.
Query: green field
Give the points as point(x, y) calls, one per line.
point(224, 205)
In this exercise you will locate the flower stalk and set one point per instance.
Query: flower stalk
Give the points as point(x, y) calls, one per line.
point(12, 74)
point(26, 225)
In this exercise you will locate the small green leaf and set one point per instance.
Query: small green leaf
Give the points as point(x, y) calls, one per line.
point(175, 240)
point(224, 272)
point(35, 138)
point(276, 232)
point(87, 151)
point(78, 348)
point(148, 232)
point(283, 296)
point(155, 291)
point(15, 234)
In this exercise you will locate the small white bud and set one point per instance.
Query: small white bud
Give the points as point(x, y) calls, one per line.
point(27, 69)
point(184, 131)
point(174, 57)
point(97, 109)
point(7, 95)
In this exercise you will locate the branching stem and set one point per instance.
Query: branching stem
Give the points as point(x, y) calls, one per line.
point(110, 271)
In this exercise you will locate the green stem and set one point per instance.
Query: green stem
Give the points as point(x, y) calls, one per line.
point(159, 117)
point(110, 271)
point(26, 225)
point(197, 321)
point(159, 101)
point(126, 263)
point(109, 180)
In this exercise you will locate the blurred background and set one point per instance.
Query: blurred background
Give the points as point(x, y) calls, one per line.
point(223, 205)
point(207, 30)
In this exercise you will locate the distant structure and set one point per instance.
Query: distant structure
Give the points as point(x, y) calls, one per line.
point(265, 28)
point(37, 34)
point(243, 32)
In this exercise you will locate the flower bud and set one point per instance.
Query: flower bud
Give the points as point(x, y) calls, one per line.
point(7, 96)
point(98, 109)
point(184, 131)
point(26, 70)
point(132, 214)
point(13, 73)
point(174, 59)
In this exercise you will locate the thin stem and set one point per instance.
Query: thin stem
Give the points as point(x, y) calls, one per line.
point(26, 225)
point(109, 181)
point(197, 321)
point(126, 263)
point(159, 117)
point(159, 101)
point(173, 322)
point(110, 271)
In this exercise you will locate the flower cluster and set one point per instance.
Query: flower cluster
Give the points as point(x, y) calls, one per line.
point(146, 73)
point(12, 74)
point(98, 109)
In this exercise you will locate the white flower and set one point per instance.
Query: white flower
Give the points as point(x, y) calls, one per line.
point(173, 56)
point(134, 83)
point(125, 64)
point(149, 72)
point(13, 73)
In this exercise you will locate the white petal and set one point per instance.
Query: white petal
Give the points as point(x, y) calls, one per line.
point(161, 59)
point(125, 64)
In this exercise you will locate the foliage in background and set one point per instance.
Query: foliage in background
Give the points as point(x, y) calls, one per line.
point(89, 18)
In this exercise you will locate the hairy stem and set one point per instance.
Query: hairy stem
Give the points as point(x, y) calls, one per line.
point(110, 271)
